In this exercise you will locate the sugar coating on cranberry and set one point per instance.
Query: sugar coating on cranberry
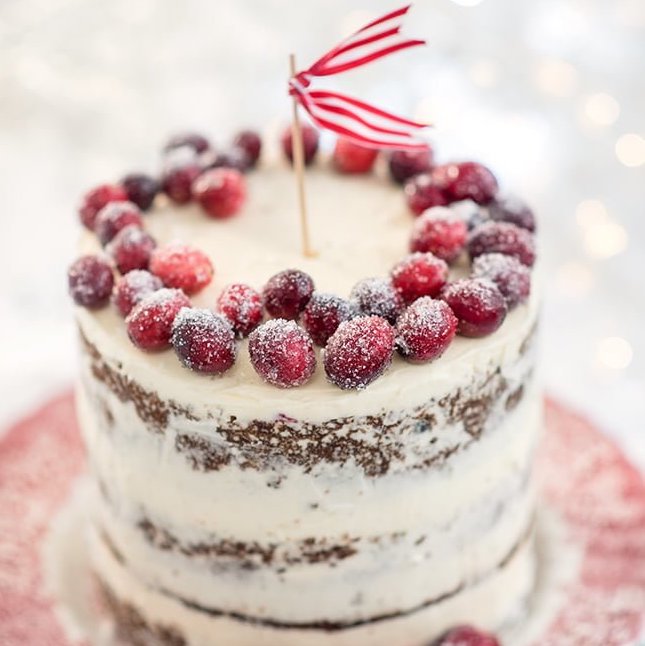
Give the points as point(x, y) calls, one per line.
point(350, 157)
point(421, 193)
point(90, 281)
point(242, 306)
point(250, 142)
point(149, 324)
point(141, 189)
point(502, 237)
point(310, 137)
point(323, 314)
point(470, 212)
point(512, 278)
point(203, 341)
point(221, 192)
point(468, 181)
point(93, 201)
point(404, 164)
point(287, 293)
point(509, 208)
point(282, 353)
point(420, 274)
point(440, 232)
point(116, 216)
point(131, 248)
point(359, 352)
point(133, 288)
point(425, 330)
point(378, 297)
point(478, 305)
point(199, 143)
point(177, 182)
point(467, 636)
point(182, 266)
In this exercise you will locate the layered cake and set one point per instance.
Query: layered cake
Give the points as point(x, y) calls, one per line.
point(292, 450)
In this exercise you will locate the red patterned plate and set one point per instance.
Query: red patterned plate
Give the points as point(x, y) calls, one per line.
point(591, 536)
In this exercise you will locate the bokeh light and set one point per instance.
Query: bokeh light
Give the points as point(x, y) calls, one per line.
point(614, 353)
point(630, 150)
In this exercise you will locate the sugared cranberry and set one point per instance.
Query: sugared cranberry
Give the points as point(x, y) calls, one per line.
point(467, 181)
point(512, 278)
point(310, 139)
point(149, 324)
point(404, 164)
point(193, 140)
point(242, 306)
point(282, 353)
point(350, 157)
point(422, 194)
point(287, 293)
point(425, 330)
point(93, 201)
point(249, 141)
point(477, 303)
point(116, 216)
point(220, 192)
point(90, 280)
point(141, 189)
point(133, 288)
point(131, 249)
point(359, 351)
point(182, 266)
point(420, 274)
point(203, 341)
point(323, 314)
point(235, 158)
point(177, 182)
point(470, 212)
point(512, 209)
point(467, 636)
point(441, 232)
point(378, 297)
point(502, 237)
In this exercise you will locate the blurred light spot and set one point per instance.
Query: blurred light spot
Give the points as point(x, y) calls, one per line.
point(601, 109)
point(556, 77)
point(605, 239)
point(484, 73)
point(574, 278)
point(630, 150)
point(614, 353)
point(591, 213)
point(467, 3)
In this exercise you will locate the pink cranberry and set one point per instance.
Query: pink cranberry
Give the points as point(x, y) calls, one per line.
point(512, 278)
point(502, 237)
point(350, 157)
point(467, 636)
point(242, 306)
point(422, 194)
point(477, 303)
point(440, 232)
point(177, 182)
point(420, 274)
point(323, 314)
point(133, 288)
point(141, 189)
point(425, 330)
point(310, 139)
point(193, 140)
point(282, 353)
point(93, 201)
point(467, 181)
point(378, 297)
point(249, 141)
point(287, 293)
point(359, 351)
point(512, 209)
point(404, 164)
point(116, 216)
point(90, 280)
point(220, 192)
point(131, 249)
point(203, 341)
point(149, 324)
point(182, 266)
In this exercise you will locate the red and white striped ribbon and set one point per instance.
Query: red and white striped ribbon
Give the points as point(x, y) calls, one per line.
point(353, 119)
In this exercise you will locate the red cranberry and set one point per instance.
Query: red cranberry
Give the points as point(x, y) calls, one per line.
point(131, 249)
point(441, 232)
point(425, 330)
point(221, 192)
point(93, 201)
point(149, 324)
point(249, 141)
point(420, 274)
point(141, 189)
point(242, 306)
point(350, 157)
point(203, 341)
point(470, 212)
point(404, 164)
point(502, 237)
point(323, 314)
point(377, 296)
point(282, 353)
point(511, 209)
point(287, 293)
point(310, 138)
point(177, 182)
point(193, 140)
point(512, 278)
point(134, 287)
point(90, 280)
point(359, 351)
point(477, 303)
point(116, 216)
point(235, 158)
point(467, 636)
point(422, 194)
point(182, 266)
point(467, 181)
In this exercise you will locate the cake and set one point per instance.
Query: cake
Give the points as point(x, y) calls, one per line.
point(346, 509)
